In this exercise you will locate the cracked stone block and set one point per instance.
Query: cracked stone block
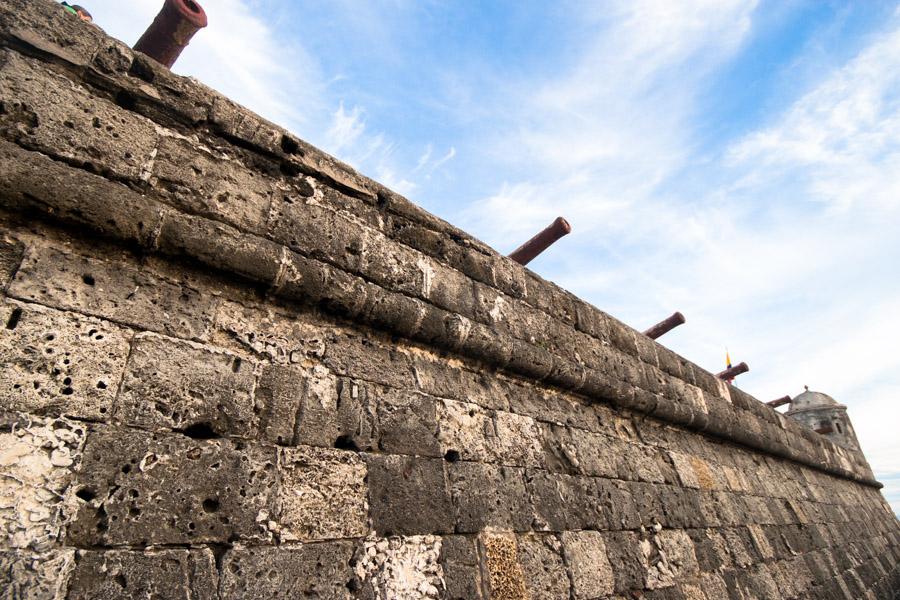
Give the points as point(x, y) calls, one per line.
point(57, 363)
point(28, 576)
point(180, 385)
point(11, 252)
point(281, 339)
point(585, 554)
point(214, 186)
point(321, 570)
point(542, 566)
point(489, 496)
point(505, 578)
point(462, 568)
point(668, 556)
point(37, 457)
point(408, 495)
point(401, 567)
point(138, 488)
point(322, 495)
point(169, 573)
point(114, 290)
point(407, 423)
point(47, 112)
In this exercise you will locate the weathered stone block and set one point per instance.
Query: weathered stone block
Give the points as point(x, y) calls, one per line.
point(46, 28)
point(540, 557)
point(408, 495)
point(322, 495)
point(46, 112)
point(585, 554)
point(518, 440)
point(216, 186)
point(550, 512)
point(115, 574)
point(504, 573)
point(59, 363)
point(113, 290)
point(489, 496)
point(140, 489)
point(462, 568)
point(401, 567)
point(408, 423)
point(31, 182)
point(11, 253)
point(181, 385)
point(625, 557)
point(323, 570)
point(28, 576)
point(466, 431)
point(37, 457)
point(288, 338)
point(360, 356)
point(668, 557)
point(221, 247)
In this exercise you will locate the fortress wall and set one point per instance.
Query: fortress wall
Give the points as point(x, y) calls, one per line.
point(233, 367)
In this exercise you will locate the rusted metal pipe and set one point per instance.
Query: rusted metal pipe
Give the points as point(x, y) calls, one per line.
point(731, 373)
point(527, 252)
point(780, 402)
point(172, 30)
point(664, 327)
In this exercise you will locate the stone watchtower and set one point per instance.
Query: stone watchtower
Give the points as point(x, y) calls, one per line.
point(823, 414)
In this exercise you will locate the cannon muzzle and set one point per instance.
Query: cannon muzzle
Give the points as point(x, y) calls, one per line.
point(664, 327)
point(780, 402)
point(172, 30)
point(527, 252)
point(731, 373)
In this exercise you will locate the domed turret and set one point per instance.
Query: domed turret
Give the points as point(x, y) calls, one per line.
point(823, 414)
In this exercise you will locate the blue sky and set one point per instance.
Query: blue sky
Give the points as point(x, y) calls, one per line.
point(736, 161)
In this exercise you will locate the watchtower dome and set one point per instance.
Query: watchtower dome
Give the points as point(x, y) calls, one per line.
point(823, 414)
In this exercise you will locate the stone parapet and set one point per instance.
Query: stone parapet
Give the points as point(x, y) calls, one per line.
point(229, 357)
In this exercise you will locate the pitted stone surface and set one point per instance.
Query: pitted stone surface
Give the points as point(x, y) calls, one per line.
point(323, 494)
point(333, 394)
point(585, 553)
point(402, 567)
point(542, 567)
point(112, 290)
point(57, 363)
point(46, 112)
point(408, 495)
point(215, 392)
point(116, 574)
point(138, 488)
point(321, 570)
point(35, 576)
point(37, 459)
point(504, 573)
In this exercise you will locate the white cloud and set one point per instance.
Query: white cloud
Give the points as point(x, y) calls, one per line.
point(790, 265)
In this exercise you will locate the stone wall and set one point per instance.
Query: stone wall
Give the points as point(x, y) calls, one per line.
point(235, 368)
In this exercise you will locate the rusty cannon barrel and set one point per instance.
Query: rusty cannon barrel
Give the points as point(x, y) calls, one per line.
point(527, 252)
point(664, 327)
point(731, 373)
point(172, 30)
point(780, 402)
